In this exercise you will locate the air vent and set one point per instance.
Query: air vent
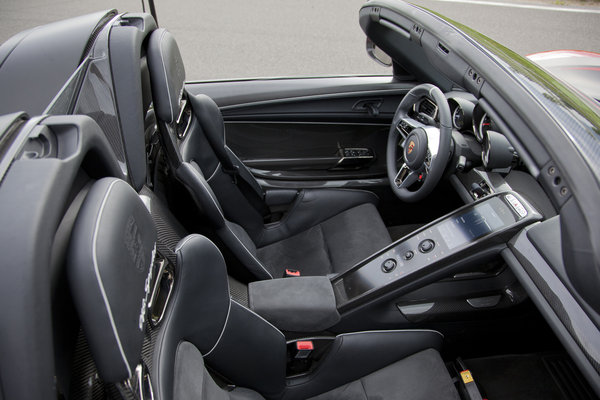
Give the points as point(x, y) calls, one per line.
point(443, 48)
point(428, 107)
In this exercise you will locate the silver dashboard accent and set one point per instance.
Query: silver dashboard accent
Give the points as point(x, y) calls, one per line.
point(139, 385)
point(485, 302)
point(415, 309)
point(455, 114)
point(479, 131)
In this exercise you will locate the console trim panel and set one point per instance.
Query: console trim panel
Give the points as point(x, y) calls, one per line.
point(490, 221)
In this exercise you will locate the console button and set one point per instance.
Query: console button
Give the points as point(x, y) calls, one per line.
point(409, 255)
point(426, 246)
point(388, 265)
point(516, 205)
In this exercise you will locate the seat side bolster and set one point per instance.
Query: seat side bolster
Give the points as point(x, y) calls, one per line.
point(251, 352)
point(374, 349)
point(198, 309)
point(192, 178)
point(238, 241)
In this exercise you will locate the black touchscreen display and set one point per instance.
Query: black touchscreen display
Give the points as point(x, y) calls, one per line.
point(475, 223)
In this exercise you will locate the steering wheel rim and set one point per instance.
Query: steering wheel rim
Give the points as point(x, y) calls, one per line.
point(426, 148)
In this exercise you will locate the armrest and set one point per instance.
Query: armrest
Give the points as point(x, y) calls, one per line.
point(303, 304)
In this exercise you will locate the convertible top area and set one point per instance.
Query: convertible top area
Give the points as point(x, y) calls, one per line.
point(45, 58)
point(428, 235)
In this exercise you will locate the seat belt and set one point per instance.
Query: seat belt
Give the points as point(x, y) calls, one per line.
point(247, 185)
point(467, 386)
point(204, 109)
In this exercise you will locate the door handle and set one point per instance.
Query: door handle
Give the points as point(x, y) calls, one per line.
point(370, 105)
point(354, 158)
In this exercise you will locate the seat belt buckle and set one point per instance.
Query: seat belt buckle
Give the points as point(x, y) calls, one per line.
point(291, 273)
point(303, 349)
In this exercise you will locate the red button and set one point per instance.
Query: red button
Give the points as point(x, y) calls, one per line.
point(304, 345)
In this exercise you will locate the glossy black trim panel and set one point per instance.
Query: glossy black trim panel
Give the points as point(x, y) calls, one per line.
point(572, 325)
point(308, 150)
point(236, 92)
point(371, 278)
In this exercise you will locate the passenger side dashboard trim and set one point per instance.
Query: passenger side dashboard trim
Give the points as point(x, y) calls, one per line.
point(561, 310)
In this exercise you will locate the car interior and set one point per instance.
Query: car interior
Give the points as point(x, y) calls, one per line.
point(404, 236)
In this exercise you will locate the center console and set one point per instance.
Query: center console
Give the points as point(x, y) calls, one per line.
point(451, 239)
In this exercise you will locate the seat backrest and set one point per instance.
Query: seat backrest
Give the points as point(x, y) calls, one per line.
point(109, 264)
point(112, 274)
point(192, 133)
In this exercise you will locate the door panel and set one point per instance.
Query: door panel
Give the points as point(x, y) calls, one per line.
point(332, 130)
point(309, 151)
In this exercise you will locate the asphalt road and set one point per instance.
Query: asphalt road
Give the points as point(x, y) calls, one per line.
point(241, 38)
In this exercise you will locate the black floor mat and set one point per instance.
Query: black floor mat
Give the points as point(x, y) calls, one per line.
point(529, 377)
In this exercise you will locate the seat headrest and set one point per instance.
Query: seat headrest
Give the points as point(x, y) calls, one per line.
point(109, 264)
point(167, 74)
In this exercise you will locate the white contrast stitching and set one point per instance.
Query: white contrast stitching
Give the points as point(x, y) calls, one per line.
point(222, 330)
point(273, 326)
point(99, 279)
point(162, 60)
point(214, 172)
point(201, 180)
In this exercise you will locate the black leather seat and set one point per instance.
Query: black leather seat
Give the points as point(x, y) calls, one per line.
point(325, 231)
point(110, 268)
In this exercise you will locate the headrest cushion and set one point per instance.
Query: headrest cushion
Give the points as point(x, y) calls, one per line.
point(167, 74)
point(109, 264)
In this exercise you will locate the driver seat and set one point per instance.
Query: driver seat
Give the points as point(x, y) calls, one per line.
point(322, 232)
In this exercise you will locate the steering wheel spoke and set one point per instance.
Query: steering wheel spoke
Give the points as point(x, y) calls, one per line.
point(404, 127)
point(427, 163)
point(433, 141)
point(405, 177)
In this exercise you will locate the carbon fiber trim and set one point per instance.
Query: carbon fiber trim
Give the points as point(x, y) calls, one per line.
point(525, 253)
point(85, 383)
point(148, 346)
point(558, 308)
point(169, 231)
point(238, 291)
point(96, 100)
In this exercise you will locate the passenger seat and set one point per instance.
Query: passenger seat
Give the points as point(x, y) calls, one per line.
point(111, 274)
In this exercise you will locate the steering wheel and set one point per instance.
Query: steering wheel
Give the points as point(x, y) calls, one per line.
point(425, 147)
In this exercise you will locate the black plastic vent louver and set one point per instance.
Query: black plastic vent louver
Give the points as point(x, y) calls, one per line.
point(428, 108)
